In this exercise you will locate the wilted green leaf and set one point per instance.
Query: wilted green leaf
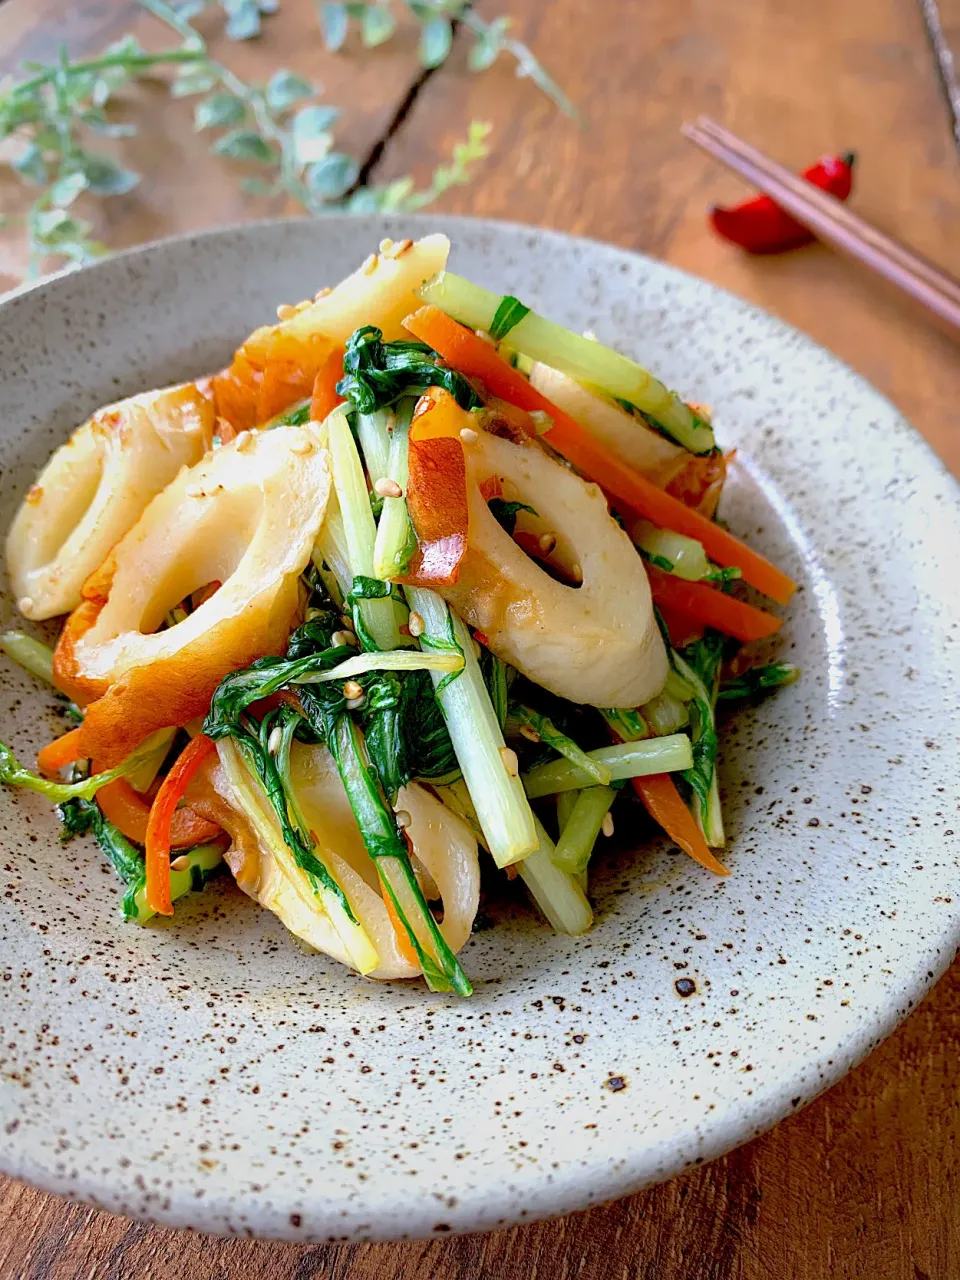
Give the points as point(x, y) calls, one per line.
point(285, 88)
point(30, 165)
point(244, 144)
point(378, 24)
point(330, 177)
point(334, 23)
point(218, 111)
point(436, 39)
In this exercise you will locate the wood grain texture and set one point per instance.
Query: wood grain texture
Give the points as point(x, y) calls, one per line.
point(865, 1182)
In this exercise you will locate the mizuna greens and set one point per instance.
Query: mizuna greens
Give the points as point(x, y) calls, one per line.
point(391, 618)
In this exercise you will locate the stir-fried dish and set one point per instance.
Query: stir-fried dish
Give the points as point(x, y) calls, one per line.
point(421, 573)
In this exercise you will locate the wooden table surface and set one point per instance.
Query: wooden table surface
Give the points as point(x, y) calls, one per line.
point(865, 1181)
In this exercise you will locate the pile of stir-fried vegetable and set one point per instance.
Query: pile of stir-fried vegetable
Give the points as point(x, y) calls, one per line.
point(419, 570)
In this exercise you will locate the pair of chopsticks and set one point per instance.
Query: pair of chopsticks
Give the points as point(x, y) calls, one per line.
point(833, 223)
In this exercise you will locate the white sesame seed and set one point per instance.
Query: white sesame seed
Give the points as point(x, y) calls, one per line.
point(285, 311)
point(303, 445)
point(510, 761)
point(354, 704)
point(400, 249)
point(340, 638)
point(370, 265)
point(416, 624)
point(468, 435)
point(607, 827)
point(180, 864)
point(546, 542)
point(542, 421)
point(531, 735)
point(386, 245)
point(243, 441)
point(34, 495)
point(274, 740)
point(352, 690)
point(576, 573)
point(403, 819)
point(322, 293)
point(388, 488)
point(25, 605)
point(484, 336)
point(194, 491)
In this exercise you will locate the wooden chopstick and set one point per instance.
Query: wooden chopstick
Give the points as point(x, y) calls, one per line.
point(831, 221)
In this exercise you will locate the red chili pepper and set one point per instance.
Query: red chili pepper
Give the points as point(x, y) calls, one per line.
point(761, 226)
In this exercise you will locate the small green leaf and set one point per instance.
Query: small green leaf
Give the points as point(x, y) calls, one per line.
point(96, 120)
point(334, 23)
point(66, 189)
point(244, 144)
point(30, 166)
point(193, 79)
point(285, 88)
point(330, 177)
point(378, 25)
point(52, 225)
point(243, 19)
point(436, 39)
point(311, 133)
point(489, 44)
point(104, 177)
point(219, 111)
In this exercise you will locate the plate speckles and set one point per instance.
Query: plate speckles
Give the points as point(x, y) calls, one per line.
point(209, 1072)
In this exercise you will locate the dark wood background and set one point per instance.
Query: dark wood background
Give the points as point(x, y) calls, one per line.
point(864, 1183)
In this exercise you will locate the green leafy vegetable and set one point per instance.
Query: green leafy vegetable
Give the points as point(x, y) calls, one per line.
point(13, 774)
point(505, 513)
point(758, 680)
point(508, 314)
point(378, 373)
point(523, 717)
point(699, 666)
point(32, 655)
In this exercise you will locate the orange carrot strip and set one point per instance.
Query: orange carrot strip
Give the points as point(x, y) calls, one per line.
point(463, 350)
point(711, 607)
point(325, 398)
point(403, 938)
point(62, 751)
point(157, 856)
point(665, 805)
point(130, 813)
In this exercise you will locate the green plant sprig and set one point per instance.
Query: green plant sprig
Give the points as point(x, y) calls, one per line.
point(279, 126)
point(438, 19)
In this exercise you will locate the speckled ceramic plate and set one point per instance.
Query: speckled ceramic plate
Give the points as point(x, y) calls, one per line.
point(209, 1072)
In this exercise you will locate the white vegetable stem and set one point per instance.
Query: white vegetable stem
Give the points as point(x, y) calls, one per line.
point(578, 357)
point(391, 660)
point(373, 432)
point(627, 760)
point(360, 530)
point(394, 530)
point(556, 892)
point(32, 655)
point(501, 806)
point(580, 832)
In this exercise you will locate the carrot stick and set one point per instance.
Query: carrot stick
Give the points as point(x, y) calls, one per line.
point(157, 856)
point(711, 607)
point(325, 397)
point(130, 813)
point(665, 805)
point(62, 751)
point(463, 350)
point(403, 939)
